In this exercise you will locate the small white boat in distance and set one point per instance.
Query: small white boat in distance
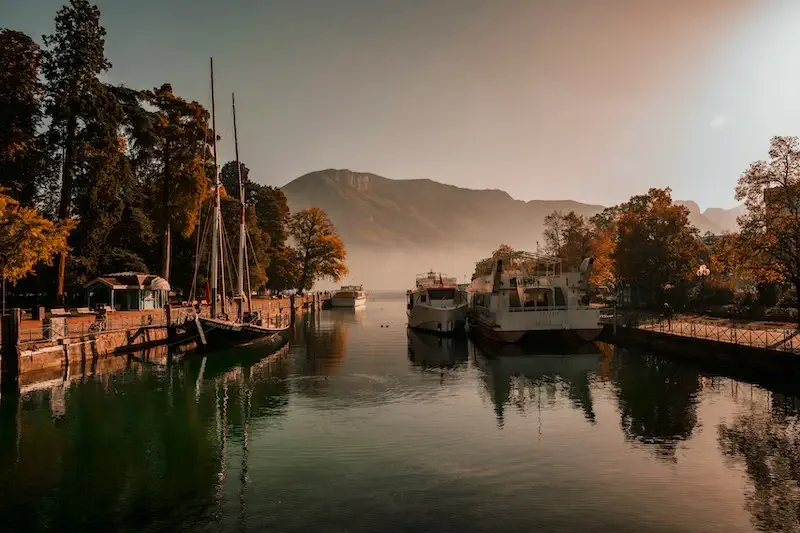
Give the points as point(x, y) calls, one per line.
point(437, 304)
point(349, 296)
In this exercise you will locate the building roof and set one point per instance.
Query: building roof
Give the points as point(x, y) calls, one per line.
point(131, 280)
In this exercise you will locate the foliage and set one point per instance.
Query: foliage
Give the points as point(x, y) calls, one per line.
point(181, 159)
point(771, 227)
point(26, 238)
point(568, 237)
point(73, 58)
point(21, 152)
point(656, 245)
point(318, 251)
point(604, 232)
point(503, 251)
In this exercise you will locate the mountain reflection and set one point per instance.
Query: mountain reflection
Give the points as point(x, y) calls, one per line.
point(766, 441)
point(145, 435)
point(515, 377)
point(657, 401)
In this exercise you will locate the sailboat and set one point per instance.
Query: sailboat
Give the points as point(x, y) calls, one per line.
point(226, 327)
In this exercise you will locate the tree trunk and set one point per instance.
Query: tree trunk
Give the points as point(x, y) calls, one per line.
point(166, 250)
point(66, 198)
point(797, 302)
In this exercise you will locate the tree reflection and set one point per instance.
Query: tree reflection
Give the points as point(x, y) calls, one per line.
point(526, 381)
point(135, 448)
point(657, 401)
point(768, 445)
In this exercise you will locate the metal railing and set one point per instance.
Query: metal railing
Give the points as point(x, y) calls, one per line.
point(775, 338)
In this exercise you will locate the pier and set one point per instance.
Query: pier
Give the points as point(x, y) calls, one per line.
point(762, 348)
point(35, 350)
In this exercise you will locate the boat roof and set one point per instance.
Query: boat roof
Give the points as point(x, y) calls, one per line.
point(526, 262)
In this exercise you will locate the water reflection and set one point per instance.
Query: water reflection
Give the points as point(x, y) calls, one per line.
point(523, 379)
point(130, 447)
point(429, 351)
point(657, 401)
point(765, 439)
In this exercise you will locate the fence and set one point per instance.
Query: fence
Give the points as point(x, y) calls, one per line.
point(777, 338)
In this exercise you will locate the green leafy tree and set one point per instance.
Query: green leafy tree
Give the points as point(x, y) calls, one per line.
point(770, 230)
point(181, 162)
point(73, 58)
point(319, 251)
point(22, 156)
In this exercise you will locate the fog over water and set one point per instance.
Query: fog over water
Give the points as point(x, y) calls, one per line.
point(396, 269)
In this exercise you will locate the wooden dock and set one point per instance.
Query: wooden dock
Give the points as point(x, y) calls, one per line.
point(57, 342)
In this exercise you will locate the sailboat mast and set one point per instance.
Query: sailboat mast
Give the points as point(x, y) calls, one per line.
point(215, 226)
point(242, 266)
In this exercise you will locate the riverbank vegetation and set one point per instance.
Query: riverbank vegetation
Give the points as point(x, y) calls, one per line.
point(647, 252)
point(111, 178)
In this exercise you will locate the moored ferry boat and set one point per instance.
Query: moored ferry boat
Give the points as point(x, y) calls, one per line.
point(522, 296)
point(437, 304)
point(349, 296)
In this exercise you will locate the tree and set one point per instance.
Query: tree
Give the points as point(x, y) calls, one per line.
point(26, 239)
point(503, 251)
point(656, 245)
point(21, 153)
point(568, 237)
point(71, 63)
point(603, 242)
point(318, 250)
point(771, 227)
point(181, 163)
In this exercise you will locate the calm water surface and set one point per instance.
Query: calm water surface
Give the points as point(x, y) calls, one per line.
point(358, 425)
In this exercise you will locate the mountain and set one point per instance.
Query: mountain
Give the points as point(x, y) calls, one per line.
point(394, 229)
point(376, 212)
point(371, 211)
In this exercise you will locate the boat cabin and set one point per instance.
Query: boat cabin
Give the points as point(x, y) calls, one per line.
point(128, 291)
point(434, 290)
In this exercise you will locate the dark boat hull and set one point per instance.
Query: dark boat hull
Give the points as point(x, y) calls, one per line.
point(221, 333)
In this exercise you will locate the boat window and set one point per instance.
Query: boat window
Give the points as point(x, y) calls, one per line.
point(480, 300)
point(424, 298)
point(560, 301)
point(441, 294)
point(537, 297)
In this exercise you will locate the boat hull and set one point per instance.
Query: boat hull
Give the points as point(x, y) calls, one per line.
point(219, 333)
point(546, 336)
point(445, 321)
point(348, 302)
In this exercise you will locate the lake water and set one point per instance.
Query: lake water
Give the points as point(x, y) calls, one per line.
point(358, 425)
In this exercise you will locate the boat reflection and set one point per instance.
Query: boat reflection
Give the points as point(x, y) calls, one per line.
point(427, 350)
point(523, 378)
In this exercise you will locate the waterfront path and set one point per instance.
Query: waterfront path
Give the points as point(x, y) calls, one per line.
point(769, 335)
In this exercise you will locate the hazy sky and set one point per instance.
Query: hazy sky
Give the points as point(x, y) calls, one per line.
point(592, 100)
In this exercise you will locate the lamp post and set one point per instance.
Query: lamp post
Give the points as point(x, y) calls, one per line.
point(702, 274)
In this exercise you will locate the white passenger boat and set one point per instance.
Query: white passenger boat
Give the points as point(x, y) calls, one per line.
point(349, 296)
point(522, 296)
point(437, 304)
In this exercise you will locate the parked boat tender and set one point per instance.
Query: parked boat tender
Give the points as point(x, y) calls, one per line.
point(519, 295)
point(437, 304)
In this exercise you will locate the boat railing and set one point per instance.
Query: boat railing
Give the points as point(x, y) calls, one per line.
point(521, 263)
point(531, 309)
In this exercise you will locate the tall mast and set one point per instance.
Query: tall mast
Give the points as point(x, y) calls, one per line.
point(215, 226)
point(240, 274)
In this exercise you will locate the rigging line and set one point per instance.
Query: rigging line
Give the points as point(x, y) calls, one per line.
point(247, 275)
point(231, 270)
point(202, 231)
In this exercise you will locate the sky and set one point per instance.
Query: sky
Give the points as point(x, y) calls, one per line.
point(590, 100)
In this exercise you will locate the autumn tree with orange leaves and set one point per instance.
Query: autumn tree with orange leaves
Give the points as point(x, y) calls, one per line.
point(656, 246)
point(770, 230)
point(318, 250)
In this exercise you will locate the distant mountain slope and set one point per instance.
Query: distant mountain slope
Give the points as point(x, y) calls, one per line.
point(375, 212)
point(371, 211)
